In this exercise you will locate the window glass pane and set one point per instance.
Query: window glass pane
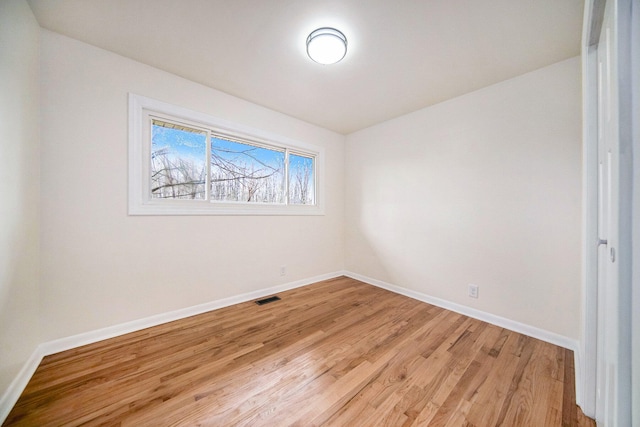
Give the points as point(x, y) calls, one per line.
point(245, 173)
point(178, 161)
point(301, 180)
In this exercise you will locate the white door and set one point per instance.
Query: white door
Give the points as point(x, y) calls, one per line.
point(608, 194)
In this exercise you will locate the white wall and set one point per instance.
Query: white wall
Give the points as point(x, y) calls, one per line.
point(483, 189)
point(101, 267)
point(19, 184)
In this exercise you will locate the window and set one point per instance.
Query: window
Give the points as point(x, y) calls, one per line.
point(186, 163)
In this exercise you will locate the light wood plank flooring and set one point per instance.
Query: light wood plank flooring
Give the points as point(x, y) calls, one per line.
point(335, 353)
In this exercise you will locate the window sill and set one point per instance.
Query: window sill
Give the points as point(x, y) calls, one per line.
point(193, 207)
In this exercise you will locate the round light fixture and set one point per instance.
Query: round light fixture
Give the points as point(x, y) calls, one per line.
point(326, 45)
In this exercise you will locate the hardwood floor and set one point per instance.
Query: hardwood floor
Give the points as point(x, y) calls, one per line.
point(335, 353)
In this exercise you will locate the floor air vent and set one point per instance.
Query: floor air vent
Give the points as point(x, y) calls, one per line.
point(267, 300)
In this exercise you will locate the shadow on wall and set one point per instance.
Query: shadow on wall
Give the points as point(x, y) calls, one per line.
point(18, 302)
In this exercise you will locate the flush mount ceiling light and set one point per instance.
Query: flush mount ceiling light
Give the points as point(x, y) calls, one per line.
point(326, 45)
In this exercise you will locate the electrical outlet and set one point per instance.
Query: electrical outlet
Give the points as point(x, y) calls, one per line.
point(473, 291)
point(283, 270)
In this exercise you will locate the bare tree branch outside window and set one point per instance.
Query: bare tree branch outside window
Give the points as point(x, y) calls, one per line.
point(245, 173)
point(301, 179)
point(238, 171)
point(178, 170)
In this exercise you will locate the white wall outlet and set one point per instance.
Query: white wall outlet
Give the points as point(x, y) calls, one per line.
point(283, 270)
point(473, 291)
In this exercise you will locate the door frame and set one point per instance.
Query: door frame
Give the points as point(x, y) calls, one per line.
point(627, 29)
point(635, 211)
point(587, 365)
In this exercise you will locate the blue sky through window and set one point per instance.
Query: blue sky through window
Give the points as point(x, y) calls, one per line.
point(238, 171)
point(178, 162)
point(301, 180)
point(258, 156)
point(241, 172)
point(188, 145)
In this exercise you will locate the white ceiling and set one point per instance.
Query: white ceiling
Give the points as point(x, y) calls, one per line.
point(403, 55)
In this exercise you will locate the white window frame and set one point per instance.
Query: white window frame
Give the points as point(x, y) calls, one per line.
point(143, 109)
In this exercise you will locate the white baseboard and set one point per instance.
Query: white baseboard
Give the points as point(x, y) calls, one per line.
point(90, 337)
point(522, 328)
point(11, 395)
